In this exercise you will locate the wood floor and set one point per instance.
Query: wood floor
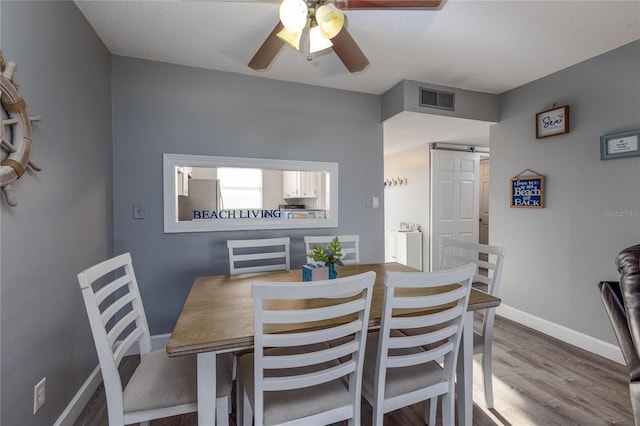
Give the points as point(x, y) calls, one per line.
point(537, 380)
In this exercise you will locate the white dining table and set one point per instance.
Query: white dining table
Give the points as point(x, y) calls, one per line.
point(217, 317)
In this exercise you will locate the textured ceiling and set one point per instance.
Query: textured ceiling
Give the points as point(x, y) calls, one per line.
point(486, 46)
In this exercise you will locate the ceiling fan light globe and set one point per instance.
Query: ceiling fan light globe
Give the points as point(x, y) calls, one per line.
point(290, 37)
point(330, 20)
point(294, 14)
point(317, 41)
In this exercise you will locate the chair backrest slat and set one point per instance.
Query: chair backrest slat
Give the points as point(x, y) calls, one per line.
point(306, 290)
point(350, 247)
point(114, 308)
point(123, 346)
point(111, 288)
point(422, 339)
point(431, 300)
point(319, 314)
point(311, 337)
point(419, 358)
point(258, 255)
point(428, 320)
point(305, 359)
point(309, 379)
point(455, 259)
point(121, 325)
point(105, 268)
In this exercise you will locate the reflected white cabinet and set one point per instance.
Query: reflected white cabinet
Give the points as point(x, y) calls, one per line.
point(299, 184)
point(404, 247)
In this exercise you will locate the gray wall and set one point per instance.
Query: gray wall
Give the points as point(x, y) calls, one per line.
point(161, 108)
point(63, 221)
point(557, 255)
point(405, 96)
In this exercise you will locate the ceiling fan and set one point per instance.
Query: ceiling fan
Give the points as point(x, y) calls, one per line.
point(325, 21)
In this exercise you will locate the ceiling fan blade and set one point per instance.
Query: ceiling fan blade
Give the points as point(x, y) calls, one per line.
point(388, 4)
point(349, 52)
point(269, 49)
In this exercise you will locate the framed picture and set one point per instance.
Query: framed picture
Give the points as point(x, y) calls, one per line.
point(618, 145)
point(527, 192)
point(552, 122)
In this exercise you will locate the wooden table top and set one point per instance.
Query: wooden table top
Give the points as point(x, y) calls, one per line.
point(218, 312)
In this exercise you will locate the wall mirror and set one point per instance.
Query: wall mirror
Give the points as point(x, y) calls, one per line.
point(205, 193)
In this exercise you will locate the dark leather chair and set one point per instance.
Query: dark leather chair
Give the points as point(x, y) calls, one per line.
point(622, 302)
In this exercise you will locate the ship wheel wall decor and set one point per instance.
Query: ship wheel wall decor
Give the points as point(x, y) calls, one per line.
point(17, 124)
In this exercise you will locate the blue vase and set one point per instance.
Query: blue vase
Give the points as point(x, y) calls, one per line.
point(333, 274)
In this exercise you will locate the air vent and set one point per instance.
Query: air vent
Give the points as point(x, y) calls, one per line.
point(437, 99)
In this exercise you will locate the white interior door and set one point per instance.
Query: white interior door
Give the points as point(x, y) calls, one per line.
point(455, 178)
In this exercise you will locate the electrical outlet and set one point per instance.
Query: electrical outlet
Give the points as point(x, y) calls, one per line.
point(39, 394)
point(138, 211)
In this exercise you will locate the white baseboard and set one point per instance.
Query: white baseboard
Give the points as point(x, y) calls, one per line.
point(575, 338)
point(157, 342)
point(80, 399)
point(88, 388)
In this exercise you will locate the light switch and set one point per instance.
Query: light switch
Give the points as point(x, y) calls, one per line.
point(372, 202)
point(138, 211)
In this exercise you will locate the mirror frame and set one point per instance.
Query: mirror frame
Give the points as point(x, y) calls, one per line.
point(171, 225)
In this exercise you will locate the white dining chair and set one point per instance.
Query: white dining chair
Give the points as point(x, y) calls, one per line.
point(160, 386)
point(401, 370)
point(299, 377)
point(490, 260)
point(258, 255)
point(350, 247)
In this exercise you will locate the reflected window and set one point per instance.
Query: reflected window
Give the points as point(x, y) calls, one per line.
point(240, 188)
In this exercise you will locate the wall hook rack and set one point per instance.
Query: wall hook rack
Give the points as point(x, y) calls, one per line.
point(396, 181)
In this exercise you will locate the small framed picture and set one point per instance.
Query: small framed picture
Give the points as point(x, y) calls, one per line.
point(552, 122)
point(618, 145)
point(527, 192)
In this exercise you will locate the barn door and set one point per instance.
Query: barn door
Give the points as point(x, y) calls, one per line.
point(455, 184)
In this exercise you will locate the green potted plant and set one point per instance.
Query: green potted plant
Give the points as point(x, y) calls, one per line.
point(329, 255)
